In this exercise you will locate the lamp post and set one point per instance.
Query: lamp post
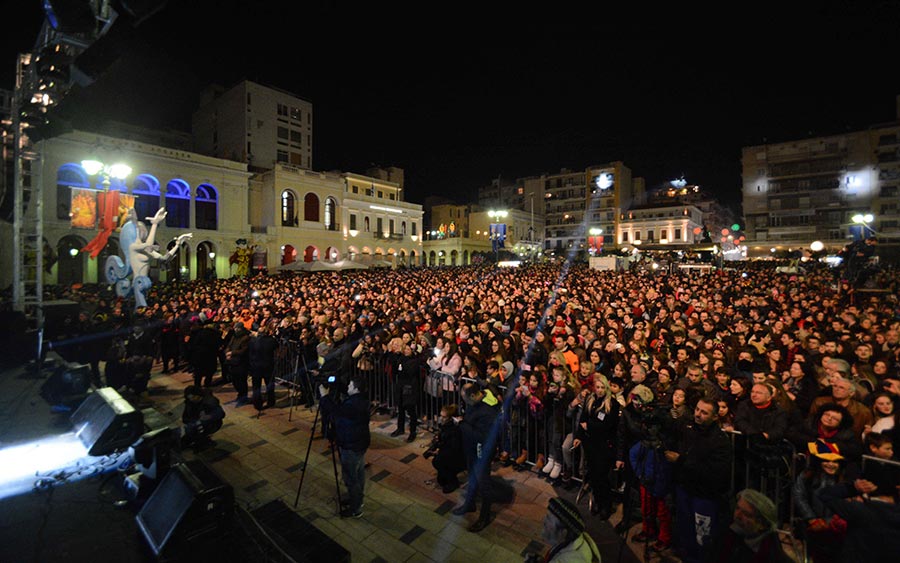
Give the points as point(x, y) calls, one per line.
point(498, 235)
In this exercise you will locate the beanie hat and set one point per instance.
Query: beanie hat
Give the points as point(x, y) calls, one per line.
point(763, 505)
point(568, 514)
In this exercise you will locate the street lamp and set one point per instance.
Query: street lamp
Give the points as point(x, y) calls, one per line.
point(118, 170)
point(864, 219)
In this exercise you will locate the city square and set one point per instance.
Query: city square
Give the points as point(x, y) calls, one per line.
point(291, 317)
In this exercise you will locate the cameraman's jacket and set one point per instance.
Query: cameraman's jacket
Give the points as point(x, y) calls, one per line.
point(477, 423)
point(350, 420)
point(651, 468)
point(703, 468)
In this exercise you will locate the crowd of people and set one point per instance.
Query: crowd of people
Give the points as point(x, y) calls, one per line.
point(587, 374)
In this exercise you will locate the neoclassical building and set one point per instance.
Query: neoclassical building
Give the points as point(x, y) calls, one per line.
point(300, 215)
point(287, 214)
point(203, 195)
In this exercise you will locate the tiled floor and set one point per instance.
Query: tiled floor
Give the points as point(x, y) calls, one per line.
point(405, 517)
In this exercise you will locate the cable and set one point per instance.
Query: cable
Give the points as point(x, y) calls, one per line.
point(39, 536)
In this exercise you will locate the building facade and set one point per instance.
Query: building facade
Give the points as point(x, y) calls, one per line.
point(660, 227)
point(308, 216)
point(255, 124)
point(582, 204)
point(460, 234)
point(809, 190)
point(202, 195)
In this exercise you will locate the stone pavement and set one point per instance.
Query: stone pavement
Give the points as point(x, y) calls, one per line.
point(406, 518)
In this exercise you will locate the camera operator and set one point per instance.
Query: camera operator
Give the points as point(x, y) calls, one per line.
point(349, 430)
point(651, 469)
point(202, 417)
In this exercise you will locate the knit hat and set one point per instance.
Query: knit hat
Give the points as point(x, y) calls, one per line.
point(763, 505)
point(568, 514)
point(643, 393)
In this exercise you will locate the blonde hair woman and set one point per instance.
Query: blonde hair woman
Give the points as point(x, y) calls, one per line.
point(597, 431)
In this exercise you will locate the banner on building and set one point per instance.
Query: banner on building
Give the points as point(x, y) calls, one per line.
point(83, 209)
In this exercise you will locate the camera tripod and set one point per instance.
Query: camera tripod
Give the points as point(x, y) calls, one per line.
point(305, 466)
point(306, 386)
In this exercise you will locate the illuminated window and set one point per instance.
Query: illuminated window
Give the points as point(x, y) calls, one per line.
point(288, 215)
point(330, 206)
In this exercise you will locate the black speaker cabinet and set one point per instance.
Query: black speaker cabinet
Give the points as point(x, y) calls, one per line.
point(191, 503)
point(68, 384)
point(105, 422)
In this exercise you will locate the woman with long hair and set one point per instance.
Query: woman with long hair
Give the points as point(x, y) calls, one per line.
point(597, 431)
point(885, 411)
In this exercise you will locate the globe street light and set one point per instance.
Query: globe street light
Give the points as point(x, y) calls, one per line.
point(864, 219)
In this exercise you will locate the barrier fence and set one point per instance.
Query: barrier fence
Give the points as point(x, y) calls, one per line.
point(535, 432)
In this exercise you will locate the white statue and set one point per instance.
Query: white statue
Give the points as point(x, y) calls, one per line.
point(139, 246)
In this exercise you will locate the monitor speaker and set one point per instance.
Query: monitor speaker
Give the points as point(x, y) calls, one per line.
point(105, 422)
point(67, 385)
point(191, 504)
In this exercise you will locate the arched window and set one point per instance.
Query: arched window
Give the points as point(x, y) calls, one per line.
point(206, 209)
point(288, 213)
point(146, 196)
point(311, 207)
point(330, 205)
point(178, 204)
point(366, 223)
point(68, 176)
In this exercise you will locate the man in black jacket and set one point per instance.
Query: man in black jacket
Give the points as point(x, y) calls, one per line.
point(262, 366)
point(204, 345)
point(761, 416)
point(237, 358)
point(407, 385)
point(350, 427)
point(702, 464)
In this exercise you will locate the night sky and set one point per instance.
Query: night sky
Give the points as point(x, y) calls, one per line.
point(458, 94)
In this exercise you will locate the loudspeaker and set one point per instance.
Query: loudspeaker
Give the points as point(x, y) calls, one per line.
point(105, 422)
point(68, 385)
point(191, 503)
